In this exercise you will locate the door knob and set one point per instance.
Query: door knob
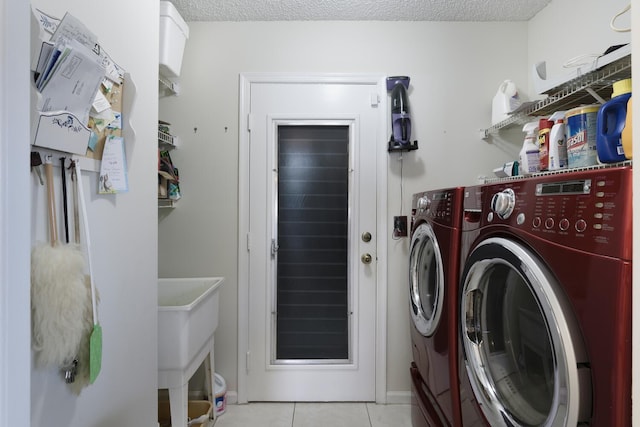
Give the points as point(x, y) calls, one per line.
point(366, 258)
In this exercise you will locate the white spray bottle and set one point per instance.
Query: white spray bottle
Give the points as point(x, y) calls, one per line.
point(558, 142)
point(530, 155)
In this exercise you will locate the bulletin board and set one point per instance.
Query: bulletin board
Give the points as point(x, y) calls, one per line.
point(56, 126)
point(114, 96)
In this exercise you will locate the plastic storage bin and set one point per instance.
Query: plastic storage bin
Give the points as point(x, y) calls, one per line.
point(174, 33)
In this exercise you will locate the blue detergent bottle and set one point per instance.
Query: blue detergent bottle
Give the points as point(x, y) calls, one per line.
point(610, 122)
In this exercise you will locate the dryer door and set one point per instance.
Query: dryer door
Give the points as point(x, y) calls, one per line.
point(426, 280)
point(523, 351)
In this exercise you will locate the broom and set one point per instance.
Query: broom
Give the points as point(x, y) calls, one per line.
point(58, 293)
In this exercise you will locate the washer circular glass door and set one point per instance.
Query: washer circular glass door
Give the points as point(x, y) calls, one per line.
point(426, 280)
point(523, 351)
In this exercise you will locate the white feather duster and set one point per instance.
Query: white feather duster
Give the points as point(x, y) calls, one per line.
point(59, 303)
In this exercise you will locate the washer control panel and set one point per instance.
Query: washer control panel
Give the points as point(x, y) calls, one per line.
point(440, 206)
point(587, 209)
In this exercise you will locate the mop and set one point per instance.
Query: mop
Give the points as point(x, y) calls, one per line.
point(59, 296)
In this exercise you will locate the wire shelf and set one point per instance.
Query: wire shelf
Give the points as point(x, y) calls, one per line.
point(626, 163)
point(166, 203)
point(585, 89)
point(167, 87)
point(166, 140)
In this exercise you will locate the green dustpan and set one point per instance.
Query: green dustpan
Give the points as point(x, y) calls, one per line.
point(95, 352)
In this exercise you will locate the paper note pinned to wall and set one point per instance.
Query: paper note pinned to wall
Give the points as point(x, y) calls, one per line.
point(100, 103)
point(113, 171)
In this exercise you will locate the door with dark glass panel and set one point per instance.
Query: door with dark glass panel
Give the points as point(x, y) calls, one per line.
point(312, 244)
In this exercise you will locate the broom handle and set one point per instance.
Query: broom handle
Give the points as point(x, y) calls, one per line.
point(53, 232)
point(76, 214)
point(87, 239)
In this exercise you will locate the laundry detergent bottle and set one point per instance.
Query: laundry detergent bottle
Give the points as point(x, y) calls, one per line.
point(611, 121)
point(558, 142)
point(627, 132)
point(544, 137)
point(530, 155)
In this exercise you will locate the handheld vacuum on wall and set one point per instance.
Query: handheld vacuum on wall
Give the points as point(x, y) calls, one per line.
point(400, 117)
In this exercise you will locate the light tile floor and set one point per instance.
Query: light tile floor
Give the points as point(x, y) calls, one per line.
point(315, 415)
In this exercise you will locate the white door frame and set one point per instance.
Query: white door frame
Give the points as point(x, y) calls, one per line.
point(246, 79)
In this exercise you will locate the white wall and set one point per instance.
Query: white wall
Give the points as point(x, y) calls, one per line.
point(567, 29)
point(15, 248)
point(455, 70)
point(124, 238)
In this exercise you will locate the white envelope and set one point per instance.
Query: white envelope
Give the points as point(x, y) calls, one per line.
point(62, 131)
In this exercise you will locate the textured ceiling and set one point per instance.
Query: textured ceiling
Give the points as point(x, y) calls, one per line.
point(358, 10)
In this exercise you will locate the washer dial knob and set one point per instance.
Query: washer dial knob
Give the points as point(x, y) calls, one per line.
point(423, 203)
point(503, 203)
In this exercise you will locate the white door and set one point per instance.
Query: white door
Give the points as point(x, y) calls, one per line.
point(312, 268)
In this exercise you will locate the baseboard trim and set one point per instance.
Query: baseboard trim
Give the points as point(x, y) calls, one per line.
point(393, 397)
point(232, 397)
point(398, 397)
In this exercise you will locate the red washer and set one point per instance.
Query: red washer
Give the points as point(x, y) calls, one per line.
point(434, 264)
point(545, 301)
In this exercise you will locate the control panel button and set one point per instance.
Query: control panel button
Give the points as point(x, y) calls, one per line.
point(581, 225)
point(520, 219)
point(564, 224)
point(549, 223)
point(536, 222)
point(490, 217)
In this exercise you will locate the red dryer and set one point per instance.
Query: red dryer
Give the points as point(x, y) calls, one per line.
point(434, 264)
point(545, 301)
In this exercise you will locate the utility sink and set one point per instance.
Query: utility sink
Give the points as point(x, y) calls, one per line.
point(187, 319)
